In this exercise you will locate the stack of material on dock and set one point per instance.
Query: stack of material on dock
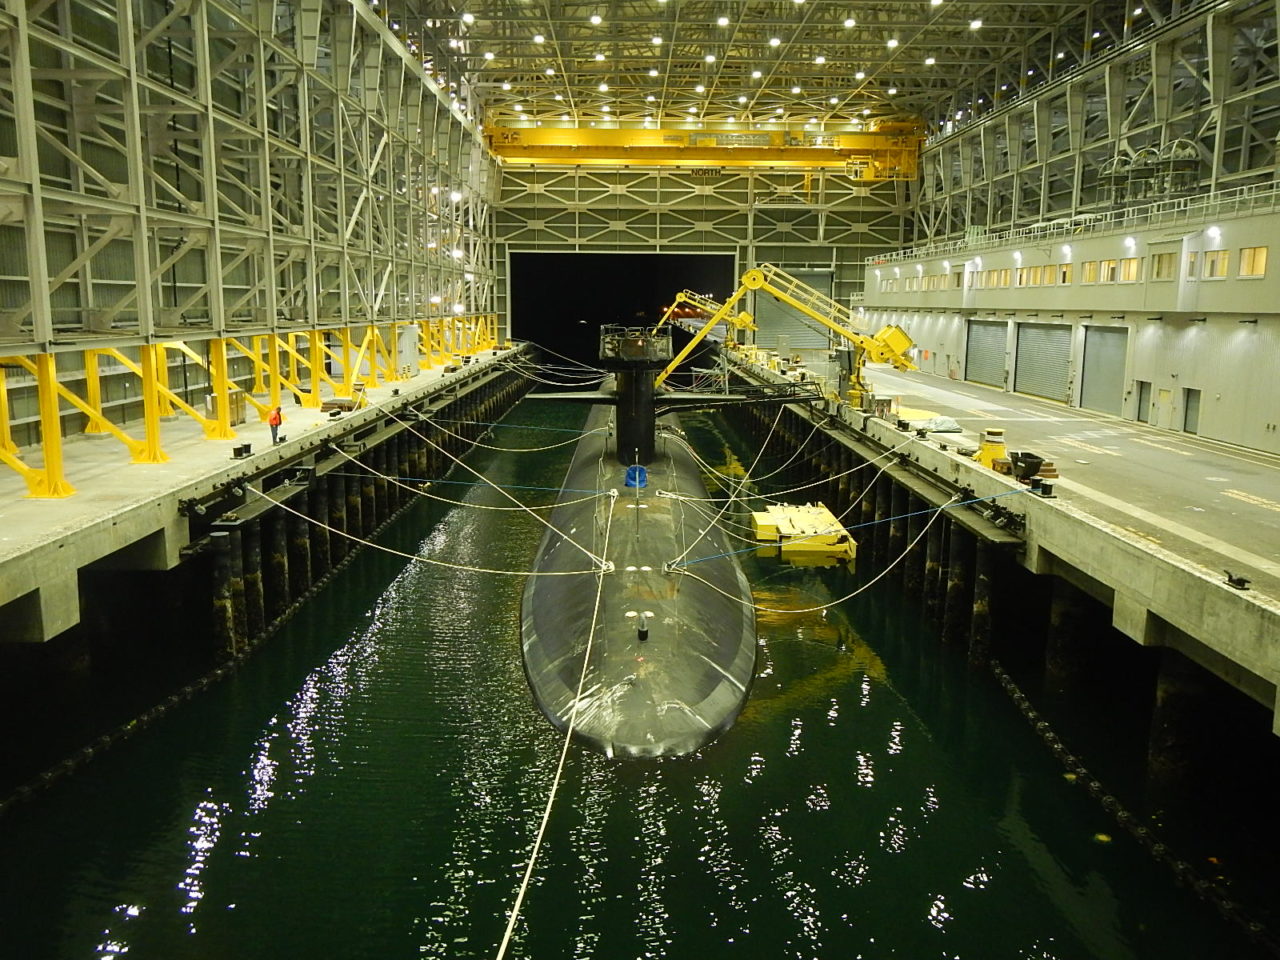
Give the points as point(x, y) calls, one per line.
point(804, 533)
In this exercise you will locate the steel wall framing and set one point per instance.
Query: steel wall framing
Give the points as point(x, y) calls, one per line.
point(1209, 77)
point(208, 169)
point(794, 219)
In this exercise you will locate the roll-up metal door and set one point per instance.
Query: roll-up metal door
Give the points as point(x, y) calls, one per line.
point(984, 352)
point(1102, 377)
point(1042, 367)
point(775, 318)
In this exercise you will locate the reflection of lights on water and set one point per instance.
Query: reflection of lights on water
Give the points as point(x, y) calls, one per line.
point(797, 729)
point(895, 737)
point(833, 712)
point(852, 872)
point(893, 837)
point(818, 799)
point(755, 767)
point(204, 832)
point(931, 801)
point(978, 880)
point(938, 912)
point(866, 691)
point(113, 945)
point(866, 772)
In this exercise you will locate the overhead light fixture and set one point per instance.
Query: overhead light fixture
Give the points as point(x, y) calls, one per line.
point(603, 88)
point(756, 74)
point(595, 19)
point(488, 54)
point(653, 73)
point(699, 89)
point(506, 86)
point(656, 41)
point(742, 99)
point(599, 57)
point(606, 108)
point(833, 100)
point(975, 24)
point(651, 98)
point(693, 110)
point(929, 61)
point(819, 59)
point(559, 97)
point(850, 22)
point(539, 38)
point(550, 71)
point(891, 43)
point(723, 21)
point(859, 75)
point(710, 58)
point(892, 91)
point(518, 108)
point(468, 18)
point(774, 41)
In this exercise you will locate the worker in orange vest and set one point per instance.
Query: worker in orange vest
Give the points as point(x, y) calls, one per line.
point(274, 420)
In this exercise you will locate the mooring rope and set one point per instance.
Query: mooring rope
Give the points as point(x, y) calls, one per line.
point(418, 492)
point(937, 512)
point(732, 495)
point(416, 558)
point(564, 747)
point(486, 446)
point(474, 472)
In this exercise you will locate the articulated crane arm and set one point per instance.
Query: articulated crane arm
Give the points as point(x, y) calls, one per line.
point(719, 313)
point(888, 345)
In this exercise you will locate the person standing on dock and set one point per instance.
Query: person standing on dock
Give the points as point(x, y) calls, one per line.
point(274, 420)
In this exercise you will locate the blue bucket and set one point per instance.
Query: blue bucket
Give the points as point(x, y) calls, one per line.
point(637, 476)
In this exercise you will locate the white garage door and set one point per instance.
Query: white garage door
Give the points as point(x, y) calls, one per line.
point(1043, 364)
point(984, 352)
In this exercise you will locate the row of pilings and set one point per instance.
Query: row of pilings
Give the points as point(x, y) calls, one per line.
point(271, 556)
point(934, 560)
point(246, 572)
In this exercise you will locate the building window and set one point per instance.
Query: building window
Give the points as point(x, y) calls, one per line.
point(1130, 269)
point(1090, 274)
point(957, 280)
point(1050, 275)
point(1253, 262)
point(1064, 273)
point(1164, 266)
point(1191, 265)
point(1215, 264)
point(1107, 271)
point(1006, 276)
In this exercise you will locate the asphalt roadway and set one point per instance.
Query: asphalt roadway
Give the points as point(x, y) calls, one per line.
point(1215, 504)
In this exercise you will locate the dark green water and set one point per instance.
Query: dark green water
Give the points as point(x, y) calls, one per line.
point(370, 783)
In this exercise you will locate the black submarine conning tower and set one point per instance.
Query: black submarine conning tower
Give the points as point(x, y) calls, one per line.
point(635, 355)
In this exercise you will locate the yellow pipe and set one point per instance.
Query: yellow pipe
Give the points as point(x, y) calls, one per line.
point(162, 380)
point(93, 393)
point(6, 435)
point(273, 371)
point(315, 353)
point(150, 452)
point(49, 482)
point(220, 384)
point(258, 365)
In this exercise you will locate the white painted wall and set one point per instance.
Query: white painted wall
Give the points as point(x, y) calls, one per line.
point(1219, 336)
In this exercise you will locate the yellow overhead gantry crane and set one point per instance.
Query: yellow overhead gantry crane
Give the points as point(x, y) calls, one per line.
point(888, 345)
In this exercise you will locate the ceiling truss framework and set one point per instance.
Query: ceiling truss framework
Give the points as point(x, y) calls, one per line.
point(198, 169)
point(1203, 93)
point(837, 64)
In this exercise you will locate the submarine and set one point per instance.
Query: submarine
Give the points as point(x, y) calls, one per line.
point(664, 662)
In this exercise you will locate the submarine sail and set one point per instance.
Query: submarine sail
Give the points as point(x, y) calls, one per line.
point(669, 659)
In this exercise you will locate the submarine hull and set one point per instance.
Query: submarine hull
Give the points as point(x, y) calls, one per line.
point(667, 691)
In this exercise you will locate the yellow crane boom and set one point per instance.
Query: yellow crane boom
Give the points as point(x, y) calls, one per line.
point(888, 345)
